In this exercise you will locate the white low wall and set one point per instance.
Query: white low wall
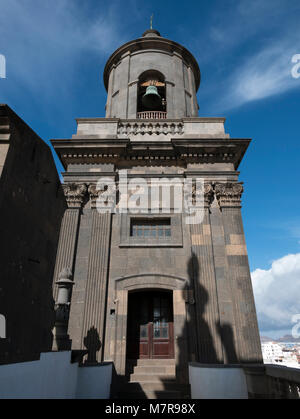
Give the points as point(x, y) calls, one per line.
point(54, 377)
point(217, 382)
point(94, 382)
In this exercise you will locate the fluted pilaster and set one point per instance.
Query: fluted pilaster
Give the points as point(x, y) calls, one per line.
point(248, 346)
point(75, 195)
point(96, 287)
point(207, 311)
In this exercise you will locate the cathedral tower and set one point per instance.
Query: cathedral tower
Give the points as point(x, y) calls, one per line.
point(151, 292)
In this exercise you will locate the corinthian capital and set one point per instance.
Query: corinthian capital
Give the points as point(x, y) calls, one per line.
point(203, 193)
point(107, 188)
point(208, 194)
point(94, 191)
point(75, 194)
point(229, 194)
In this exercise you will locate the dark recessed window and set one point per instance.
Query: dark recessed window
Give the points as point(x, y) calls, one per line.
point(155, 229)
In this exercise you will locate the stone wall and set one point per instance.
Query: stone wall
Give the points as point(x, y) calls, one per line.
point(31, 208)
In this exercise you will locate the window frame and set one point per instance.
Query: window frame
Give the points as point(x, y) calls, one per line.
point(153, 225)
point(174, 240)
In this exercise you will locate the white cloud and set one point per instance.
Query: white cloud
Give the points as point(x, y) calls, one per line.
point(253, 45)
point(277, 293)
point(262, 75)
point(45, 43)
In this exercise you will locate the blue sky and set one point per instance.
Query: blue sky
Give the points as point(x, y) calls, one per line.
point(56, 51)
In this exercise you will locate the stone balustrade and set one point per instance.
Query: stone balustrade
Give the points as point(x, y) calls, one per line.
point(273, 382)
point(150, 128)
point(152, 115)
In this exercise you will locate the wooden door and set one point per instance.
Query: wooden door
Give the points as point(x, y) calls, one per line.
point(150, 325)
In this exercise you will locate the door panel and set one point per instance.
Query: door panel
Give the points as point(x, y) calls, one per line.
point(150, 325)
point(162, 323)
point(144, 343)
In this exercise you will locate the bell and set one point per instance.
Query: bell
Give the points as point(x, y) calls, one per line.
point(151, 99)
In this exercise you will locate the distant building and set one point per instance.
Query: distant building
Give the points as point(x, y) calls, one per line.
point(281, 354)
point(272, 352)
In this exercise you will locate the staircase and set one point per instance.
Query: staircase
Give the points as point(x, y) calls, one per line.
point(153, 379)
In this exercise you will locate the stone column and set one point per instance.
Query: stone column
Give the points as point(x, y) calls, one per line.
point(122, 99)
point(75, 194)
point(202, 266)
point(170, 99)
point(194, 103)
point(108, 106)
point(179, 109)
point(132, 100)
point(248, 341)
point(97, 277)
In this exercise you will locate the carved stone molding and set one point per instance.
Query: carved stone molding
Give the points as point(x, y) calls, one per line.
point(208, 192)
point(95, 190)
point(152, 128)
point(75, 194)
point(229, 194)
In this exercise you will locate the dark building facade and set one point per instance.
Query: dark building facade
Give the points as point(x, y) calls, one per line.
point(151, 292)
point(32, 205)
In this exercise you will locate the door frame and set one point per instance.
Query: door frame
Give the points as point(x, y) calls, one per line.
point(116, 335)
point(150, 340)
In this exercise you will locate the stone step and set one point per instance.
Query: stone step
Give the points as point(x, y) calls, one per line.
point(154, 391)
point(154, 362)
point(141, 378)
point(154, 386)
point(166, 395)
point(154, 369)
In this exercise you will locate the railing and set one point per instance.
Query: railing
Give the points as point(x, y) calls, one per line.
point(152, 115)
point(150, 128)
point(273, 382)
point(284, 382)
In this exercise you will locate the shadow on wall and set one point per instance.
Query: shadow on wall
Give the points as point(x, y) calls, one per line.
point(196, 342)
point(93, 345)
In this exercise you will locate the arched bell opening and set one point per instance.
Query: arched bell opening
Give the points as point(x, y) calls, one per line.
point(151, 98)
point(150, 325)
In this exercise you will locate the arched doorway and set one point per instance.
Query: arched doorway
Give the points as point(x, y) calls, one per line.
point(150, 331)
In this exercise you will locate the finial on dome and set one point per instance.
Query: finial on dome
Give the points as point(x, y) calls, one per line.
point(151, 32)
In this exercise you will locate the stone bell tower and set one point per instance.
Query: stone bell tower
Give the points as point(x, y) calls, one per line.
point(157, 61)
point(150, 292)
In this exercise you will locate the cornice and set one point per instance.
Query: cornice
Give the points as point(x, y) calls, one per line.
point(157, 43)
point(200, 150)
